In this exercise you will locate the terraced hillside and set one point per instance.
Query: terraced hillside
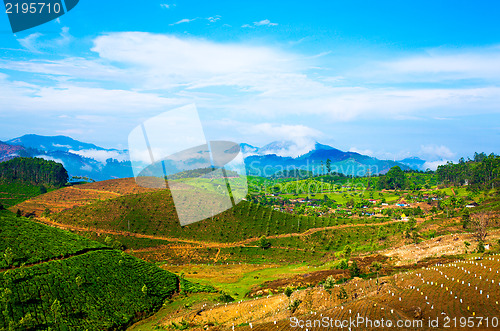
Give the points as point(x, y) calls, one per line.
point(153, 213)
point(462, 294)
point(79, 195)
point(55, 279)
point(31, 242)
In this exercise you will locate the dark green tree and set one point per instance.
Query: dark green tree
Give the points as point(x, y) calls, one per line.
point(264, 243)
point(354, 269)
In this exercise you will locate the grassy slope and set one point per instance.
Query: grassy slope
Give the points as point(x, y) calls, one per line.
point(153, 213)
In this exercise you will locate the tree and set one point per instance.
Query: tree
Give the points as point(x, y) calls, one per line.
point(466, 244)
point(43, 189)
point(329, 283)
point(479, 222)
point(294, 305)
point(395, 178)
point(465, 218)
point(108, 241)
point(288, 292)
point(343, 264)
point(34, 171)
point(224, 297)
point(347, 251)
point(480, 247)
point(354, 269)
point(264, 243)
point(328, 166)
point(376, 266)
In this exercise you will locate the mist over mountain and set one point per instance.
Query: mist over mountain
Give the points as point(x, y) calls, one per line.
point(79, 158)
point(263, 162)
point(88, 160)
point(414, 163)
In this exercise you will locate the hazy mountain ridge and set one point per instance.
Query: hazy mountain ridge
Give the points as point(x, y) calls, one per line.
point(79, 158)
point(92, 161)
point(260, 162)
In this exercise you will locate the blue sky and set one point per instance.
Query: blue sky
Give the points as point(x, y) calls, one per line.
point(386, 78)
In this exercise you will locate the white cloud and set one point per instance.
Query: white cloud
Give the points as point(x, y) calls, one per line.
point(68, 132)
point(245, 79)
point(433, 165)
point(435, 152)
point(64, 97)
point(167, 61)
point(50, 158)
point(302, 137)
point(36, 42)
point(165, 5)
point(362, 151)
point(184, 20)
point(265, 22)
point(86, 167)
point(436, 65)
point(59, 145)
point(214, 18)
point(31, 42)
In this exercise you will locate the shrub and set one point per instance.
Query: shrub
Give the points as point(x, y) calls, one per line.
point(294, 305)
point(288, 291)
point(342, 295)
point(343, 264)
point(354, 269)
point(480, 247)
point(224, 297)
point(329, 283)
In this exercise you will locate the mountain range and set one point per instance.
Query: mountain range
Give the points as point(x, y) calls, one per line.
point(277, 156)
point(88, 160)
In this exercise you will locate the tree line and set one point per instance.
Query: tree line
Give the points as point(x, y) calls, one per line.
point(483, 171)
point(34, 171)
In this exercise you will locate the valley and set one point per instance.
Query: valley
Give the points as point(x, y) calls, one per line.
point(283, 255)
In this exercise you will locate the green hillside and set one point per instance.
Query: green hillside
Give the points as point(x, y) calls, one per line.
point(13, 193)
point(88, 286)
point(31, 242)
point(153, 214)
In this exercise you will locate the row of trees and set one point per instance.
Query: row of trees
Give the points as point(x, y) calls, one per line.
point(483, 171)
point(35, 171)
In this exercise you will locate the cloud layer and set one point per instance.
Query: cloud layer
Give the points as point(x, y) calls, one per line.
point(138, 72)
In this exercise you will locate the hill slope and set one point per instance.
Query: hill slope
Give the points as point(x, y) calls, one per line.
point(87, 286)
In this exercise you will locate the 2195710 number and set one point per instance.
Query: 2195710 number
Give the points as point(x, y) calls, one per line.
point(32, 8)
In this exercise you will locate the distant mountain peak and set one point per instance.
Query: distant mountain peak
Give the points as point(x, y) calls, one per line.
point(52, 143)
point(318, 146)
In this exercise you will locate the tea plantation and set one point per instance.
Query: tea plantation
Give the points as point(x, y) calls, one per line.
point(82, 285)
point(154, 214)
